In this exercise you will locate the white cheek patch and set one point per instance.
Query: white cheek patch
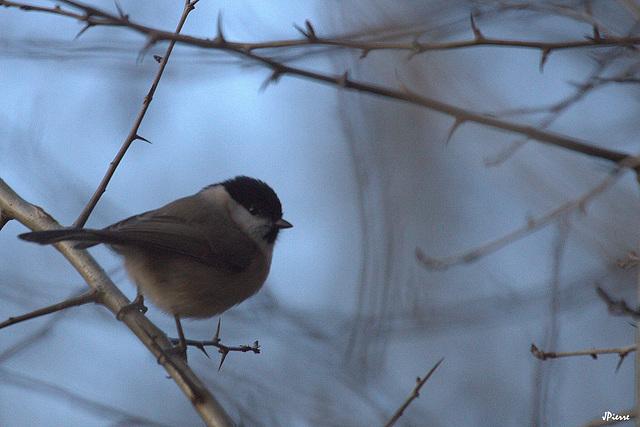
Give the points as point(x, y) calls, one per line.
point(254, 226)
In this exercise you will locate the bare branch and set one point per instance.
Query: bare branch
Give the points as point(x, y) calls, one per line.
point(95, 16)
point(133, 133)
point(414, 394)
point(222, 348)
point(153, 338)
point(98, 17)
point(86, 298)
point(531, 226)
point(617, 308)
point(594, 352)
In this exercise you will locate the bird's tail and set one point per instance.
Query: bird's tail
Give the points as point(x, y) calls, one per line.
point(85, 237)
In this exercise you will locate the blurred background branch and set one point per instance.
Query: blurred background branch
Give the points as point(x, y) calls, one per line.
point(366, 181)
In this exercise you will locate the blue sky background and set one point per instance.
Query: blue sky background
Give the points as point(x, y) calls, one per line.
point(348, 317)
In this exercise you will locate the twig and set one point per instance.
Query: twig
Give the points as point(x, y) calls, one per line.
point(617, 308)
point(594, 352)
point(33, 336)
point(414, 395)
point(91, 296)
point(133, 134)
point(531, 226)
point(222, 349)
point(94, 16)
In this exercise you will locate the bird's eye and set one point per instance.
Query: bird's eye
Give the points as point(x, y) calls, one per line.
point(253, 210)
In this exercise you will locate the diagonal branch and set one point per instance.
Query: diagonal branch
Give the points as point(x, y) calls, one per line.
point(34, 217)
point(95, 16)
point(531, 226)
point(415, 393)
point(85, 298)
point(133, 134)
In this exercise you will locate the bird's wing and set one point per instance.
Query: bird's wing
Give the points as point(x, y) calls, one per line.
point(207, 235)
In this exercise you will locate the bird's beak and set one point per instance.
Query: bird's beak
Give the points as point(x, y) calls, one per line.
point(281, 223)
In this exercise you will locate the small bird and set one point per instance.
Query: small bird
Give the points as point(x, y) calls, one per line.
point(197, 256)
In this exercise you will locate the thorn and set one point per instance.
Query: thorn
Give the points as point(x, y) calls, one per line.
point(4, 219)
point(273, 78)
point(543, 59)
point(596, 33)
point(476, 32)
point(224, 356)
point(453, 129)
point(300, 30)
point(364, 53)
point(216, 337)
point(123, 16)
point(142, 139)
point(85, 28)
point(344, 79)
point(203, 349)
point(220, 37)
point(310, 31)
point(158, 58)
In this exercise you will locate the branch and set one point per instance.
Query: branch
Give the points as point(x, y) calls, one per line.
point(594, 352)
point(95, 16)
point(86, 298)
point(133, 134)
point(617, 308)
point(414, 394)
point(531, 226)
point(34, 217)
point(217, 342)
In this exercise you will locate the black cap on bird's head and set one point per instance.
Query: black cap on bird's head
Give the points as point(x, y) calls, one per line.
point(258, 198)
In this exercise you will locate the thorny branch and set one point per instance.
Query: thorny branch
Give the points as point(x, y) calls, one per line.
point(224, 350)
point(622, 352)
point(133, 134)
point(103, 291)
point(415, 393)
point(13, 206)
point(617, 308)
point(93, 17)
point(531, 225)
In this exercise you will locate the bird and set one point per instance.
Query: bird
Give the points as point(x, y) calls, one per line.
point(197, 256)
